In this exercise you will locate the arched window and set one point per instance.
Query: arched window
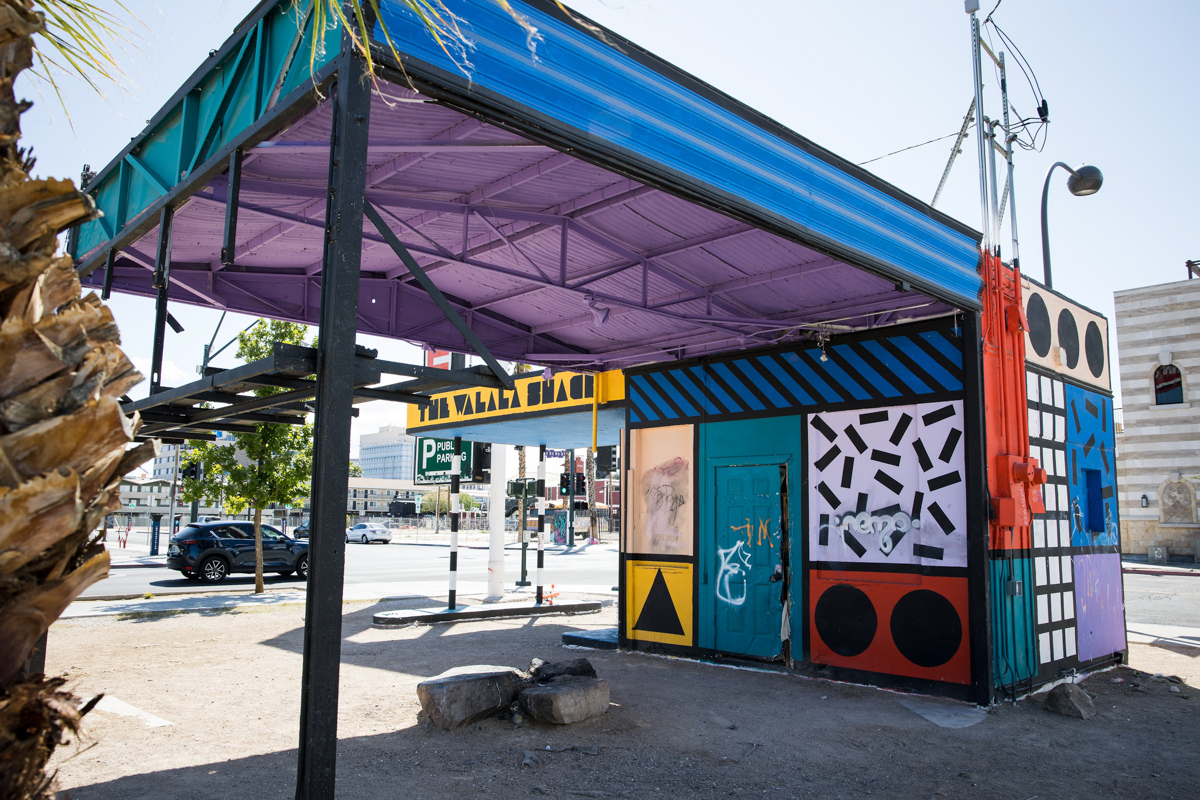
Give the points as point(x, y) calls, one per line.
point(1168, 385)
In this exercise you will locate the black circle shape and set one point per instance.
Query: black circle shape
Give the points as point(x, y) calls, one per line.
point(846, 620)
point(926, 628)
point(1039, 324)
point(1068, 337)
point(1093, 349)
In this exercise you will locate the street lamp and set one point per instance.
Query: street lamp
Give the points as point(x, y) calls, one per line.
point(1082, 181)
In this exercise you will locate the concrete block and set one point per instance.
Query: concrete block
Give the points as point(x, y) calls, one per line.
point(1157, 554)
point(1070, 701)
point(468, 694)
point(566, 699)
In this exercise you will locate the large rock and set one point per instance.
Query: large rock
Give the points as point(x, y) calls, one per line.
point(566, 699)
point(1070, 701)
point(542, 671)
point(467, 694)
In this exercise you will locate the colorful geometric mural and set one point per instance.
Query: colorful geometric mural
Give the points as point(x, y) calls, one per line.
point(1092, 469)
point(1064, 337)
point(659, 602)
point(891, 623)
point(1099, 605)
point(886, 486)
point(906, 363)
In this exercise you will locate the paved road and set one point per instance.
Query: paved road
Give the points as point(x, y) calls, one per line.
point(1163, 599)
point(377, 563)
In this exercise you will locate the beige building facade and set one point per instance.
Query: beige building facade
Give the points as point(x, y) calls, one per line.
point(1158, 444)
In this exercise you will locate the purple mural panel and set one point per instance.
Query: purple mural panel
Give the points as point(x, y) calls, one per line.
point(1099, 605)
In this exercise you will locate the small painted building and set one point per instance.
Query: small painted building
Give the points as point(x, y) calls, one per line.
point(817, 506)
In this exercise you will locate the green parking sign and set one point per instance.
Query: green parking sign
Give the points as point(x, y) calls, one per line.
point(434, 460)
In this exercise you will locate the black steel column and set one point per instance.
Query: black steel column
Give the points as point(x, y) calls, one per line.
point(979, 571)
point(233, 194)
point(162, 282)
point(455, 473)
point(331, 456)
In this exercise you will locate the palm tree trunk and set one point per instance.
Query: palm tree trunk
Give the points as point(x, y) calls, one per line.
point(63, 437)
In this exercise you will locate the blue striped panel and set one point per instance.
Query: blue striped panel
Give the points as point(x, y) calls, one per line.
point(873, 377)
point(925, 362)
point(899, 370)
point(781, 375)
point(816, 381)
point(838, 376)
point(898, 365)
point(684, 406)
point(638, 386)
point(745, 398)
point(763, 386)
point(944, 346)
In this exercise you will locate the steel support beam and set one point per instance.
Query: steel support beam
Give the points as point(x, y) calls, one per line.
point(162, 282)
point(317, 757)
point(434, 292)
point(233, 193)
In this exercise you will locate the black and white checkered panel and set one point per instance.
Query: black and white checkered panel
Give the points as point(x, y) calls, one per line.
point(1053, 578)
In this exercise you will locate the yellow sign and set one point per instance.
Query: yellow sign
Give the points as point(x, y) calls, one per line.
point(533, 395)
point(659, 602)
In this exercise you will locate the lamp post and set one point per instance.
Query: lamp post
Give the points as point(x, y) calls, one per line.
point(1081, 182)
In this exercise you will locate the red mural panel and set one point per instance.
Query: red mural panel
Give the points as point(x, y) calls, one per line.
point(891, 623)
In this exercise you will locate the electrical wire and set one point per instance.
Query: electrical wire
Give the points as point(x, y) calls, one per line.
point(911, 147)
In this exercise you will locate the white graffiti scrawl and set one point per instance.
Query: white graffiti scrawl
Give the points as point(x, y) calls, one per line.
point(888, 485)
point(732, 573)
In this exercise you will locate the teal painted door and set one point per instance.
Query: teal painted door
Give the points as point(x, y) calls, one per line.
point(749, 569)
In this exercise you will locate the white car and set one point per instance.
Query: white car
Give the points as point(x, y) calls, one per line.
point(367, 532)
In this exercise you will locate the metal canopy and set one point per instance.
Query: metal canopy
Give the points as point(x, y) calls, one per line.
point(529, 223)
point(187, 412)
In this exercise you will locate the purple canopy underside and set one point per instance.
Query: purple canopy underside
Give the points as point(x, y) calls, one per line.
point(525, 241)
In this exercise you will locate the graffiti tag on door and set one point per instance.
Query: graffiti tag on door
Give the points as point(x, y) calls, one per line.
point(733, 568)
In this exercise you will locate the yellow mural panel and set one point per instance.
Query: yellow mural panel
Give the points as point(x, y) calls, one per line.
point(533, 395)
point(659, 602)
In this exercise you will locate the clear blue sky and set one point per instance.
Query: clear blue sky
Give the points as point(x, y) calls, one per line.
point(862, 79)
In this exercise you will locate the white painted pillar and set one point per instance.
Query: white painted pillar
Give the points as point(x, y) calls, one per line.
point(497, 496)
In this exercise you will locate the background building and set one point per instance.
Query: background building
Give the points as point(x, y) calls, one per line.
point(1158, 462)
point(389, 453)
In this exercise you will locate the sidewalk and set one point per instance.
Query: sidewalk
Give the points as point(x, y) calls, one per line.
point(1142, 633)
point(223, 599)
point(1138, 565)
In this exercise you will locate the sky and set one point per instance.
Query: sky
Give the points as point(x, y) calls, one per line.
point(861, 79)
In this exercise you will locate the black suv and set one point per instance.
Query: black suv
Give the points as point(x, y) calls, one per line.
point(209, 551)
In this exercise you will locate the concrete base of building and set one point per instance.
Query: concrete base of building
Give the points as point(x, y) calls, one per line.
point(1138, 535)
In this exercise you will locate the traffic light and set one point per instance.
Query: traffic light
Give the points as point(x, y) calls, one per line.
point(606, 461)
point(580, 484)
point(564, 483)
point(191, 471)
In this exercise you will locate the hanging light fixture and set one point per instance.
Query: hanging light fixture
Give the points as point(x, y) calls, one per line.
point(599, 313)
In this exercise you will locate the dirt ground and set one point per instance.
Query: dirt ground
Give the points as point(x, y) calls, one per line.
point(229, 685)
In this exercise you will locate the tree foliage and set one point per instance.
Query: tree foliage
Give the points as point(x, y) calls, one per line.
point(465, 501)
point(271, 466)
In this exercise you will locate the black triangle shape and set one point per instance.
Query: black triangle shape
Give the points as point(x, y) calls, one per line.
point(561, 397)
point(658, 613)
point(491, 406)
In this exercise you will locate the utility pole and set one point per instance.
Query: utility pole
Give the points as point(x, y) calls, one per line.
point(571, 499)
point(591, 493)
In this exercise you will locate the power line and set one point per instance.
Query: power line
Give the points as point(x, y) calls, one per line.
point(905, 149)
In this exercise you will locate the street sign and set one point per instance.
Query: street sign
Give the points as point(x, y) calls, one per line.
point(434, 459)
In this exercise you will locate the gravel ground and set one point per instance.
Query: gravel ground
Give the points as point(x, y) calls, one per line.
point(228, 684)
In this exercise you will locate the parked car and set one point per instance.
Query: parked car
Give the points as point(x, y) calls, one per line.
point(300, 531)
point(210, 551)
point(367, 532)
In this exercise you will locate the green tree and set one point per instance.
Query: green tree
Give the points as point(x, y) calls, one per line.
point(271, 466)
point(355, 470)
point(466, 502)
